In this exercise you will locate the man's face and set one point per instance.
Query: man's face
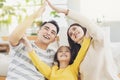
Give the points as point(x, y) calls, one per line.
point(47, 33)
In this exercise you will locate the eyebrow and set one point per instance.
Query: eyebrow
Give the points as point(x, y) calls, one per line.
point(52, 30)
point(46, 26)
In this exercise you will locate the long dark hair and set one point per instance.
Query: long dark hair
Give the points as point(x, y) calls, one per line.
point(74, 46)
point(56, 59)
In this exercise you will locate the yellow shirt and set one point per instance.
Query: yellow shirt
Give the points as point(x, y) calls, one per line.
point(68, 73)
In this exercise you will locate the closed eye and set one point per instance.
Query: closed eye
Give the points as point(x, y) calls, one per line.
point(53, 32)
point(46, 28)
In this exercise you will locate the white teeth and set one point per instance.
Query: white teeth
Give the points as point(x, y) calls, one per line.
point(45, 36)
point(63, 56)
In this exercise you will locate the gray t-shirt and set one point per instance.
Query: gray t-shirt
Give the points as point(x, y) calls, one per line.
point(21, 67)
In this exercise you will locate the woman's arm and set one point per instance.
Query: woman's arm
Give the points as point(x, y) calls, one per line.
point(19, 31)
point(95, 32)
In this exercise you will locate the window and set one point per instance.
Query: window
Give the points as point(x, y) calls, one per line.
point(23, 8)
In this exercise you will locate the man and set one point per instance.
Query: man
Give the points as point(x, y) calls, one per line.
point(21, 67)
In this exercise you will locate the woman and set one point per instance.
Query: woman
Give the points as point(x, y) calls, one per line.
point(64, 70)
point(98, 63)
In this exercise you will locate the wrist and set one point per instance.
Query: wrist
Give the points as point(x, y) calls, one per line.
point(30, 49)
point(66, 12)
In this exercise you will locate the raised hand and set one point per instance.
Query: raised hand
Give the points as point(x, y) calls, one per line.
point(59, 10)
point(26, 42)
point(14, 38)
point(41, 9)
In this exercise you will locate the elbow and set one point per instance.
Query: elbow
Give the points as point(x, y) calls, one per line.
point(12, 41)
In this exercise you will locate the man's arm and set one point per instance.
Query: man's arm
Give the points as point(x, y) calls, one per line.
point(19, 31)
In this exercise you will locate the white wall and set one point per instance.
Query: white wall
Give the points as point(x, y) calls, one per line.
point(114, 30)
point(75, 6)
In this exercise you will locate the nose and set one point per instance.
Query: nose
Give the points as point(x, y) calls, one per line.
point(64, 52)
point(73, 32)
point(49, 32)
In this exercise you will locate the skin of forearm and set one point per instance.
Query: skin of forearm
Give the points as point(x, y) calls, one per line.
point(19, 31)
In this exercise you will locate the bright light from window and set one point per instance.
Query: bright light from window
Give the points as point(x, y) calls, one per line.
point(107, 9)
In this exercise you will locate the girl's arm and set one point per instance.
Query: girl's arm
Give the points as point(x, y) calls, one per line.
point(81, 54)
point(95, 32)
point(19, 31)
point(40, 65)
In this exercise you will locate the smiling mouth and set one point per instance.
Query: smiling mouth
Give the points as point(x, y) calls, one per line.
point(46, 37)
point(63, 56)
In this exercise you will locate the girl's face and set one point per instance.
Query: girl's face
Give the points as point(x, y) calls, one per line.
point(64, 54)
point(76, 33)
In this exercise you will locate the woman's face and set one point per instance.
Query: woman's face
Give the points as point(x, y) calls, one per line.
point(76, 33)
point(64, 54)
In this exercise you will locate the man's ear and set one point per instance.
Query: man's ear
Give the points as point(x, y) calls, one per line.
point(56, 39)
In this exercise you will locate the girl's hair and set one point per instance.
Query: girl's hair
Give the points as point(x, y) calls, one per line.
point(56, 59)
point(74, 46)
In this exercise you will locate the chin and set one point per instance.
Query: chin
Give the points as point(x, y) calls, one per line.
point(80, 40)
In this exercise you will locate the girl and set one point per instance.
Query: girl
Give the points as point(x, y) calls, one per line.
point(65, 70)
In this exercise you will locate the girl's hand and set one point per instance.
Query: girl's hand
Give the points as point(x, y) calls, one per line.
point(26, 42)
point(59, 10)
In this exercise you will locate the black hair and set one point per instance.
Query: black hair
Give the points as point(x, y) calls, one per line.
point(56, 59)
point(52, 22)
point(75, 47)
